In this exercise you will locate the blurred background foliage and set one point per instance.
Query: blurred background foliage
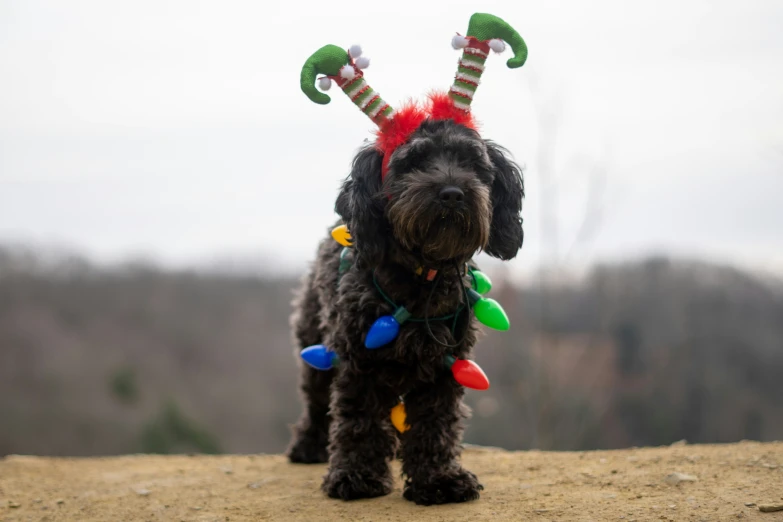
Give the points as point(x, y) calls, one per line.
point(106, 360)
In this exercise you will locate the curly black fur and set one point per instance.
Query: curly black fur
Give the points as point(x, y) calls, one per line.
point(398, 225)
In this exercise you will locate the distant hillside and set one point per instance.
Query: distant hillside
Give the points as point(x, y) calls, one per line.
point(132, 358)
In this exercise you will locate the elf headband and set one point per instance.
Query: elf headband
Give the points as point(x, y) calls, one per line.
point(345, 68)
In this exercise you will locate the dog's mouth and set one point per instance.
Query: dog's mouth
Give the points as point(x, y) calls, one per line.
point(439, 233)
point(450, 235)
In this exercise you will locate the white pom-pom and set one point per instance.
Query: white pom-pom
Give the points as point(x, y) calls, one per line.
point(363, 62)
point(347, 72)
point(356, 51)
point(459, 42)
point(497, 45)
point(324, 83)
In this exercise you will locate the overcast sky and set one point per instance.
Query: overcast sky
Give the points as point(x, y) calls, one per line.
point(176, 129)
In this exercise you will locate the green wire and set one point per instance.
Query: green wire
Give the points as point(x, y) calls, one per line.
point(389, 300)
point(417, 319)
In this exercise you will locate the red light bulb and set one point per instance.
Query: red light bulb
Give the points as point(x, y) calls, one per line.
point(469, 374)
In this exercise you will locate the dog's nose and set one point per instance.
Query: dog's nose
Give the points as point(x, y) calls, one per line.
point(451, 195)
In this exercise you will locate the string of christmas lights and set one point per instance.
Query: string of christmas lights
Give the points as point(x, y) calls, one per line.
point(386, 328)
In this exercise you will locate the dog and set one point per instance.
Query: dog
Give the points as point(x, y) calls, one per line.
point(447, 195)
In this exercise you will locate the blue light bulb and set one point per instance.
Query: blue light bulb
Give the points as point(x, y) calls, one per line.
point(319, 357)
point(383, 331)
point(386, 328)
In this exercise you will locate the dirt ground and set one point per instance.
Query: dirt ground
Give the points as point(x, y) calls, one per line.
point(729, 482)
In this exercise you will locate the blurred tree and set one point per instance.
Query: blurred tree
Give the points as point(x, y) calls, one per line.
point(173, 432)
point(123, 386)
point(629, 349)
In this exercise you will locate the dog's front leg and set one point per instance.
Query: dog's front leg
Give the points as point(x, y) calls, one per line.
point(431, 446)
point(362, 440)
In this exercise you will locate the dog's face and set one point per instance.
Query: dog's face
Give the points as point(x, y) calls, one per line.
point(439, 186)
point(447, 194)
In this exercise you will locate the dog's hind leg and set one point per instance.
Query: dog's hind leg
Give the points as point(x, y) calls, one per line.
point(311, 432)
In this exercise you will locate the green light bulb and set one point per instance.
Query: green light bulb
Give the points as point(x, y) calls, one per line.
point(491, 314)
point(481, 283)
point(345, 260)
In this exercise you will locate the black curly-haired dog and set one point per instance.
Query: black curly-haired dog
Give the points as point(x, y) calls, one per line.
point(447, 195)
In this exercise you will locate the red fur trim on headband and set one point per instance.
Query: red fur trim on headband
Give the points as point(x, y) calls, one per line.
point(442, 108)
point(404, 122)
point(397, 130)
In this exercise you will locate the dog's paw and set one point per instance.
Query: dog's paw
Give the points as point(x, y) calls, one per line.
point(352, 485)
point(308, 451)
point(458, 486)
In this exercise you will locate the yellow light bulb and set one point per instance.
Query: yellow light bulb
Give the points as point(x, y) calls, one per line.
point(398, 418)
point(342, 236)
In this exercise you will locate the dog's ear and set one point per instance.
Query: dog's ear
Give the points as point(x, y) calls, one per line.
point(505, 233)
point(361, 205)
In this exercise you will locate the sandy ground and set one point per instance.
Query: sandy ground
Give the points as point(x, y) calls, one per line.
point(731, 482)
